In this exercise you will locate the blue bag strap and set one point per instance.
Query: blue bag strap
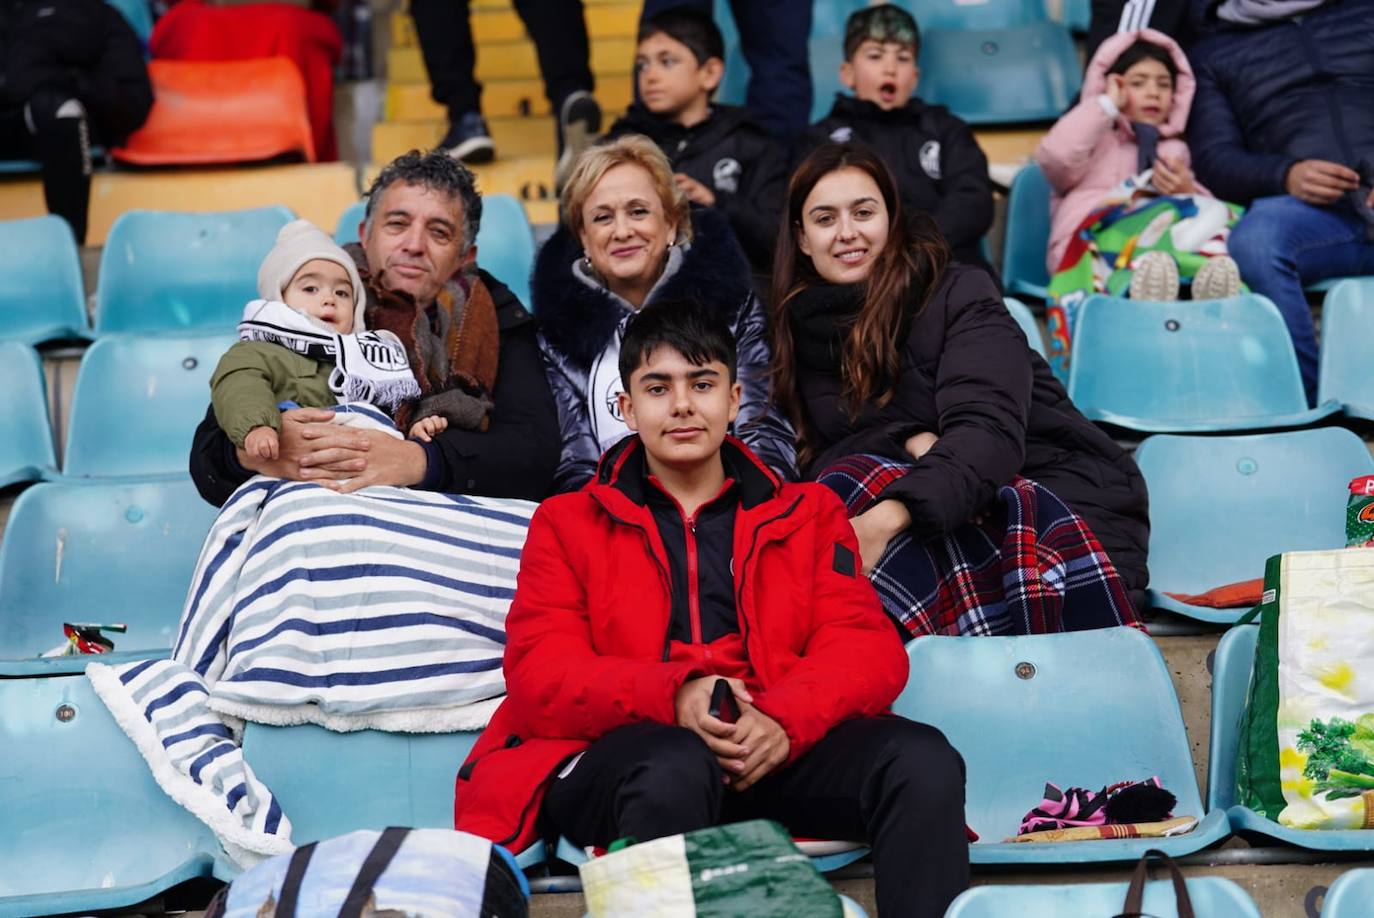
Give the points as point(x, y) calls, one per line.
point(291, 883)
point(371, 870)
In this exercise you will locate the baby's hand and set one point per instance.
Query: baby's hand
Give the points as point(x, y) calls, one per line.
point(261, 442)
point(426, 428)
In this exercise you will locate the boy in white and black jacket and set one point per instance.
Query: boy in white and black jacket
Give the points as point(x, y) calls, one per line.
point(939, 167)
point(720, 156)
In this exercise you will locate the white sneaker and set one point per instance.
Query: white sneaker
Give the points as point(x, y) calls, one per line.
point(1155, 278)
point(1218, 279)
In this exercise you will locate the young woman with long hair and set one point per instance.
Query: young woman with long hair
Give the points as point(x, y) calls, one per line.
point(915, 395)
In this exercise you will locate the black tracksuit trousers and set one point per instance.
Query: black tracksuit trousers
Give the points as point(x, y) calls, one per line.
point(887, 781)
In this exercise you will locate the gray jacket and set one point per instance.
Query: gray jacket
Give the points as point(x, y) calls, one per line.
point(578, 318)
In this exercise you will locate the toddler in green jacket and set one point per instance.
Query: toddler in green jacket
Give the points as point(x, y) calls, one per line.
point(304, 342)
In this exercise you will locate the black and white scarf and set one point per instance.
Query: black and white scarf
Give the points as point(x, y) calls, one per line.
point(368, 366)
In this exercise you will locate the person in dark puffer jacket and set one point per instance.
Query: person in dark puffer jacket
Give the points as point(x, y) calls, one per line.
point(630, 238)
point(1283, 121)
point(721, 157)
point(939, 166)
point(960, 393)
point(71, 74)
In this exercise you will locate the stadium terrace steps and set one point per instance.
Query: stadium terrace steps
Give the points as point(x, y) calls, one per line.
point(514, 137)
point(617, 18)
point(509, 97)
point(503, 60)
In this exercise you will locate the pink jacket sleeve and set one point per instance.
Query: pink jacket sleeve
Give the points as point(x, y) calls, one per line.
point(1066, 152)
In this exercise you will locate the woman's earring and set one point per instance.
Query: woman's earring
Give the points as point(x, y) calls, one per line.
point(586, 265)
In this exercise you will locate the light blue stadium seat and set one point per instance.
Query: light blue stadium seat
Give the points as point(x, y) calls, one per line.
point(86, 826)
point(1231, 670)
point(505, 240)
point(1001, 76)
point(182, 273)
point(347, 229)
point(1038, 708)
point(139, 17)
point(1350, 895)
point(1187, 367)
point(137, 403)
point(1345, 374)
point(988, 14)
point(1026, 319)
point(42, 298)
point(105, 553)
point(1215, 897)
point(26, 445)
point(1028, 234)
point(1219, 506)
point(408, 778)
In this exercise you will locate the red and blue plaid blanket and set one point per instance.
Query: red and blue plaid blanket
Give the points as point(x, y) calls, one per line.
point(1029, 565)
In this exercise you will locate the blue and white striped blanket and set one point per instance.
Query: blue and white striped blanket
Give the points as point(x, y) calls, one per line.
point(383, 609)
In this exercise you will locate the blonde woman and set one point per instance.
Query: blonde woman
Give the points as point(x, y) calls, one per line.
point(628, 237)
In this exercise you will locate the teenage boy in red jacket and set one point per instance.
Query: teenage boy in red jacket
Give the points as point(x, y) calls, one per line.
point(686, 561)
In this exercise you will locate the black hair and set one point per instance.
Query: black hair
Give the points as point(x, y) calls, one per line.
point(1140, 50)
point(693, 28)
point(686, 326)
point(882, 23)
point(437, 171)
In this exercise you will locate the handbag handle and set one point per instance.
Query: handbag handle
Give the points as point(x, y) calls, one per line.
point(1135, 893)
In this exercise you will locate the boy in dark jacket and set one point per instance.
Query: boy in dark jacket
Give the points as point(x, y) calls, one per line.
point(721, 158)
point(684, 563)
point(940, 169)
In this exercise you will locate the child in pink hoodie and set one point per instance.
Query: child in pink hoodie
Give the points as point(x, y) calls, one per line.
point(1134, 105)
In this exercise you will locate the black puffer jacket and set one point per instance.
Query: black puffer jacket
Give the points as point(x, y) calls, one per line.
point(513, 457)
point(1269, 96)
point(940, 168)
point(743, 165)
point(577, 321)
point(967, 375)
point(80, 48)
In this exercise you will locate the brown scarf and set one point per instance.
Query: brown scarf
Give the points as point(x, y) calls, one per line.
point(462, 356)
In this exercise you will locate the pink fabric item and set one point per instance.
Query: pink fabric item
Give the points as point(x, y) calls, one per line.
point(1086, 154)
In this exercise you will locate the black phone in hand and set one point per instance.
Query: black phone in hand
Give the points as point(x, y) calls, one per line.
point(723, 705)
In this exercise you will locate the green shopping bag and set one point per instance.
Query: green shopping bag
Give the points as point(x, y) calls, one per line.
point(1257, 759)
point(746, 868)
point(1306, 756)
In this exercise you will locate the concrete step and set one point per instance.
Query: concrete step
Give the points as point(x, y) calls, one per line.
point(612, 19)
point(500, 98)
point(514, 137)
point(515, 59)
point(319, 192)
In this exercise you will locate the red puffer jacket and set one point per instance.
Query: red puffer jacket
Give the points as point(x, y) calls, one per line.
point(588, 632)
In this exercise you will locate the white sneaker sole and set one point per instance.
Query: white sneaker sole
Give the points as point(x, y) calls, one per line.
point(474, 150)
point(1218, 279)
point(1155, 279)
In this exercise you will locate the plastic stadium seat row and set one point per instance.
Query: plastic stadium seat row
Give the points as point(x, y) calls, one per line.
point(193, 102)
point(87, 828)
point(1344, 373)
point(505, 240)
point(26, 441)
point(43, 298)
point(1219, 506)
point(1014, 692)
point(103, 553)
point(1215, 897)
point(1007, 75)
point(1185, 367)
